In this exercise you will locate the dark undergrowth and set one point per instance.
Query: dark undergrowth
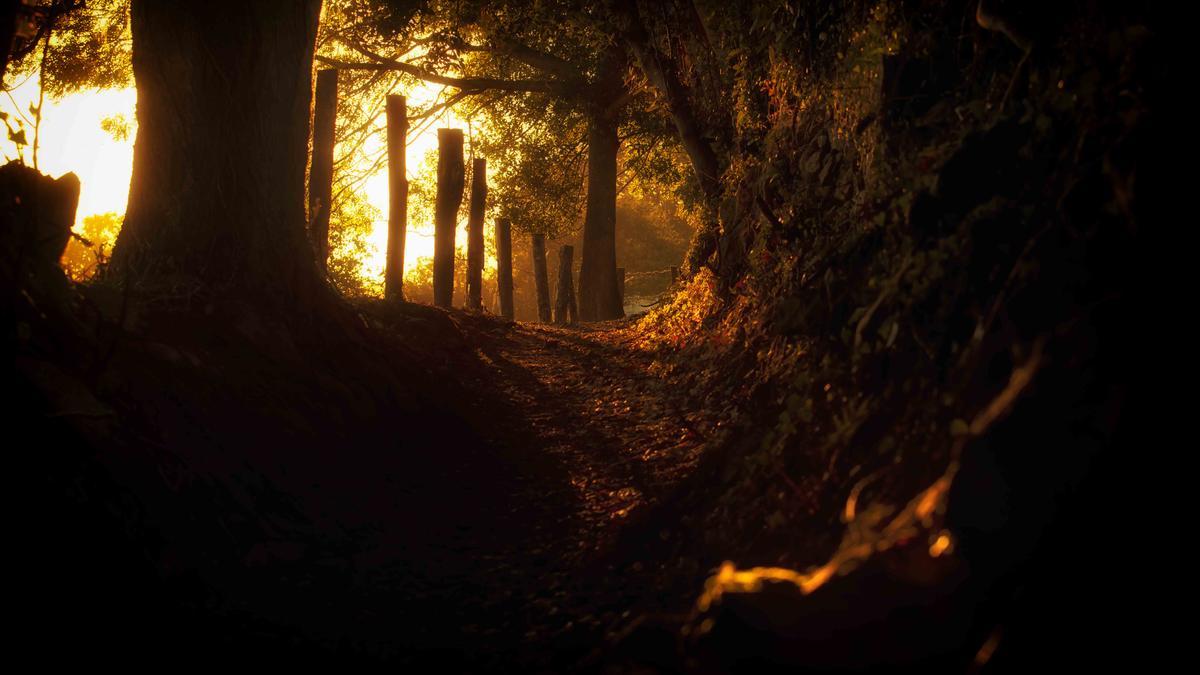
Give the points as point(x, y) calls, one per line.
point(912, 350)
point(921, 320)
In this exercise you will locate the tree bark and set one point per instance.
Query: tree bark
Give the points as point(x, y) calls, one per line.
point(663, 74)
point(565, 310)
point(216, 200)
point(320, 173)
point(449, 199)
point(598, 296)
point(397, 138)
point(540, 277)
point(504, 277)
point(475, 234)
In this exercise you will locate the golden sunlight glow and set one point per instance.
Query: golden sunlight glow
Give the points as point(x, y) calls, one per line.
point(872, 530)
point(418, 240)
point(72, 139)
point(940, 545)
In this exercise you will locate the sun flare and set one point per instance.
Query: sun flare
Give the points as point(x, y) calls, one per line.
point(73, 138)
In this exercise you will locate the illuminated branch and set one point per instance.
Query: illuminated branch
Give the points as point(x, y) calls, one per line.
point(542, 61)
point(437, 108)
point(505, 46)
point(467, 84)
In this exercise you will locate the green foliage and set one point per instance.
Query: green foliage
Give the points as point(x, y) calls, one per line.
point(888, 261)
point(351, 221)
point(88, 250)
point(538, 163)
point(90, 48)
point(118, 126)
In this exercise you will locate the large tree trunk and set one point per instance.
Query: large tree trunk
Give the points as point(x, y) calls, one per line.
point(599, 299)
point(320, 173)
point(216, 200)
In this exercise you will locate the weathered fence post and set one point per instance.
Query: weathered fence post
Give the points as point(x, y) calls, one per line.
point(565, 310)
point(320, 171)
point(504, 279)
point(397, 137)
point(541, 278)
point(621, 285)
point(445, 219)
point(504, 266)
point(475, 234)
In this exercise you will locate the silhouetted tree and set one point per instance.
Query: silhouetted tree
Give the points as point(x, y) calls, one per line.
point(216, 201)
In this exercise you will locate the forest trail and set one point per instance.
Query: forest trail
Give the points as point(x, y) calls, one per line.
point(499, 553)
point(595, 404)
point(593, 433)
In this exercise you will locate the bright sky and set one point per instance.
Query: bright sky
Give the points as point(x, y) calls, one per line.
point(72, 140)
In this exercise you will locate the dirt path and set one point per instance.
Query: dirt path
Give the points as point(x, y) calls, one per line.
point(595, 405)
point(333, 524)
point(594, 434)
point(495, 562)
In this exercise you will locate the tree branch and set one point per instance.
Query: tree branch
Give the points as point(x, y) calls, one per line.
point(662, 73)
point(541, 60)
point(468, 84)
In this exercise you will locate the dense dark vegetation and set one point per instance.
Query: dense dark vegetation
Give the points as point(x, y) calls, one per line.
point(901, 353)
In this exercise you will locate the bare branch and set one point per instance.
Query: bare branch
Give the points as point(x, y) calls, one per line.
point(542, 61)
point(467, 84)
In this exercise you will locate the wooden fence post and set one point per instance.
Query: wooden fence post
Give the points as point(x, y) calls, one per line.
point(541, 277)
point(565, 309)
point(475, 234)
point(504, 278)
point(320, 170)
point(397, 138)
point(450, 179)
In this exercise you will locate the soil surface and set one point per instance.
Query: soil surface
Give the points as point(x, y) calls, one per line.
point(583, 433)
point(282, 508)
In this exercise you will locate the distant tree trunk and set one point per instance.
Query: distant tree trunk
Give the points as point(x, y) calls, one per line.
point(598, 298)
point(621, 285)
point(504, 277)
point(449, 198)
point(216, 200)
point(475, 234)
point(540, 277)
point(565, 310)
point(397, 137)
point(320, 173)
